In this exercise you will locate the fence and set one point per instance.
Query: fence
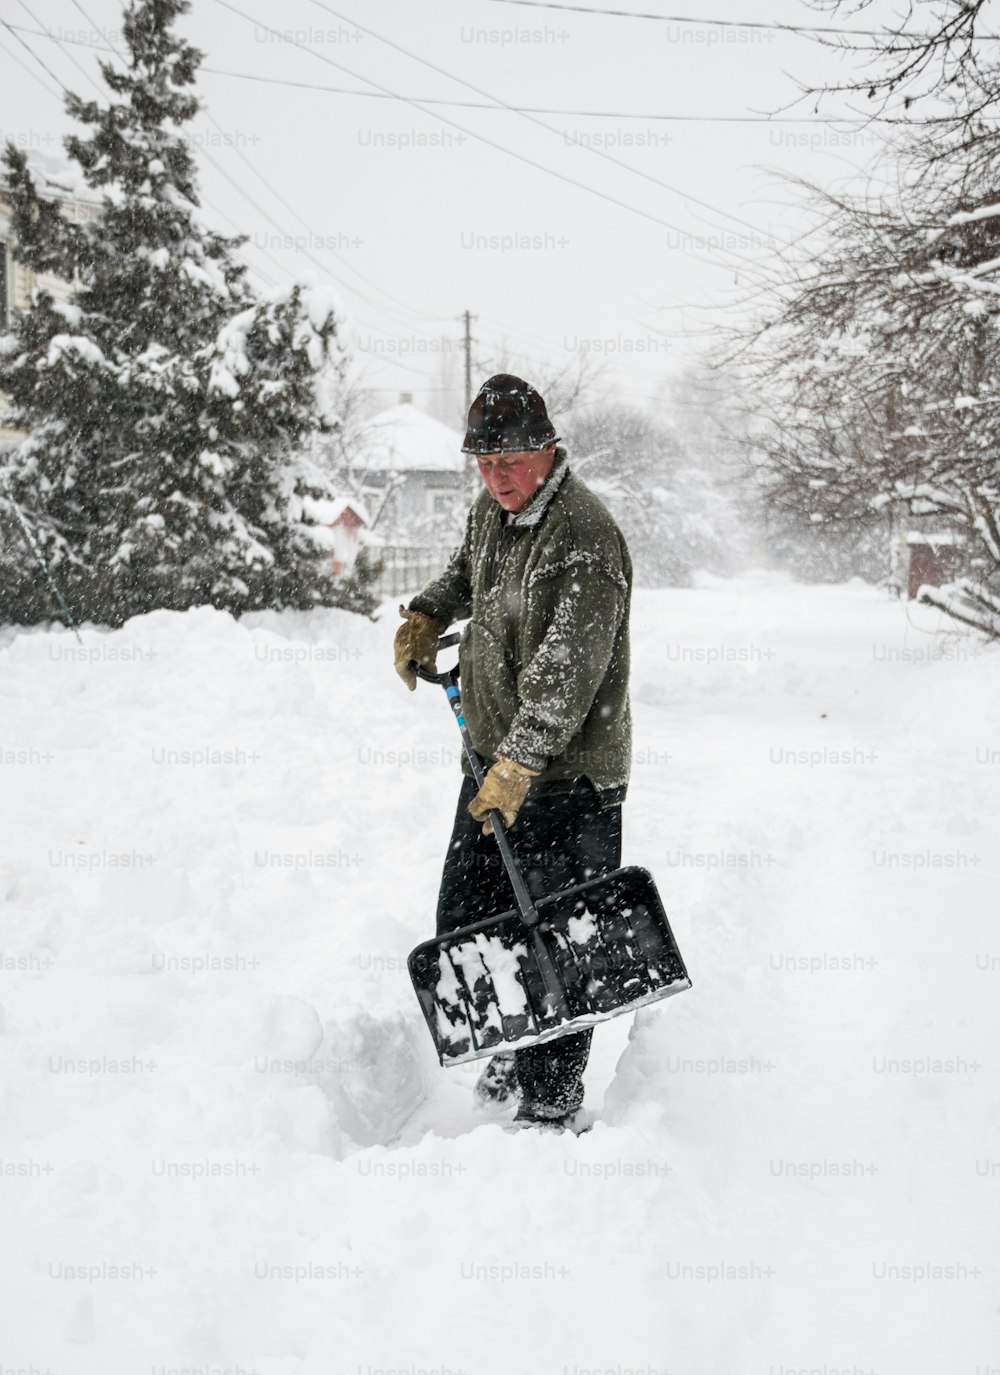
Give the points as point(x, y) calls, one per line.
point(406, 568)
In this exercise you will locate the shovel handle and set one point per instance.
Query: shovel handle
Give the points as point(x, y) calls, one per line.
point(449, 681)
point(443, 643)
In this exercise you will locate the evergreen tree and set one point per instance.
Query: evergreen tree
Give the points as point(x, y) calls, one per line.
point(169, 405)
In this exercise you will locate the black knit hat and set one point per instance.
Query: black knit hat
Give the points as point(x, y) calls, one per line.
point(507, 417)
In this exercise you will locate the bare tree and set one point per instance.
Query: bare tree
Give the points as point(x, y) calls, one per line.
point(940, 51)
point(881, 364)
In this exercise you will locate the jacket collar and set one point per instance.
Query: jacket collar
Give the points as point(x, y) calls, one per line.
point(532, 513)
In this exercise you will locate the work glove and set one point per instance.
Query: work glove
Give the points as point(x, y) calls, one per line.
point(504, 787)
point(416, 639)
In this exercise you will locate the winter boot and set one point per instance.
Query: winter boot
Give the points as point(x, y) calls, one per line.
point(533, 1115)
point(497, 1085)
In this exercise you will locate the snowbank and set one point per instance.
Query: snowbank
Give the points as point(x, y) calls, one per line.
point(226, 1141)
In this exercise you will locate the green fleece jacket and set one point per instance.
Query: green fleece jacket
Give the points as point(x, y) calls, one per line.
point(544, 659)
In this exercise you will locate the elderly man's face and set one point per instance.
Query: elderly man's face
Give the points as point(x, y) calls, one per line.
point(513, 479)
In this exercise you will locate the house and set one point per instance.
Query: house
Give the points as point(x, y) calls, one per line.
point(919, 557)
point(415, 464)
point(414, 478)
point(346, 521)
point(55, 180)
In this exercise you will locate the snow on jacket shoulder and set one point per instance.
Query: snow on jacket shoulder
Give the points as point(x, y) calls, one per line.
point(545, 656)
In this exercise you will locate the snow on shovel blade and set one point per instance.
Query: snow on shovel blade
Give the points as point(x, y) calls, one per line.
point(488, 986)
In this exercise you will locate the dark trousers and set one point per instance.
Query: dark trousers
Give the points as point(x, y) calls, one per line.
point(559, 839)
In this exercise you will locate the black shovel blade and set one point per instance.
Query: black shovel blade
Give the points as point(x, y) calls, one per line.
point(600, 949)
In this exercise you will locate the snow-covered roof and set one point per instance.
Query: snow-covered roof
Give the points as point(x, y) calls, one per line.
point(327, 510)
point(935, 537)
point(405, 439)
point(57, 177)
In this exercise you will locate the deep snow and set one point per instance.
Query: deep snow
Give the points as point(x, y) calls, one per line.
point(266, 1147)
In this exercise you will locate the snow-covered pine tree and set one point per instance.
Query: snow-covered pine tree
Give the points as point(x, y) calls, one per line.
point(168, 404)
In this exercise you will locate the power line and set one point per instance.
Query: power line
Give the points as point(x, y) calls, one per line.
point(533, 119)
point(548, 344)
point(269, 281)
point(262, 275)
point(582, 114)
point(730, 23)
point(79, 66)
point(649, 115)
point(92, 24)
point(218, 210)
point(21, 63)
point(363, 296)
point(28, 48)
point(491, 143)
point(736, 256)
point(260, 209)
point(417, 314)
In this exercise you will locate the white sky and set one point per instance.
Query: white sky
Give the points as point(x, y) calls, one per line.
point(442, 222)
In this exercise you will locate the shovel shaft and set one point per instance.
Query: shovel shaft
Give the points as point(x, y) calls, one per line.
point(449, 681)
point(525, 906)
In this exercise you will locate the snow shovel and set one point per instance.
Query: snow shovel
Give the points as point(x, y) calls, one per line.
point(549, 967)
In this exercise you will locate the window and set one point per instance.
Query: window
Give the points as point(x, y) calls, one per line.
point(442, 504)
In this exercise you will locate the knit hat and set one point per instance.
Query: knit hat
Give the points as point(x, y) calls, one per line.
point(508, 416)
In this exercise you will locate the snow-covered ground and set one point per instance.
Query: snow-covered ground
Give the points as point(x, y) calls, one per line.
point(226, 1143)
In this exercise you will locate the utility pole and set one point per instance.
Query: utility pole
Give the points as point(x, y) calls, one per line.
point(470, 463)
point(468, 359)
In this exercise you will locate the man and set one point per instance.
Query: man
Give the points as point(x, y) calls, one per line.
point(545, 577)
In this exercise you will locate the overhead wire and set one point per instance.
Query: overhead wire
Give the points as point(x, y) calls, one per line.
point(650, 115)
point(497, 326)
point(347, 19)
point(260, 209)
point(537, 109)
point(12, 29)
point(481, 138)
point(828, 29)
point(79, 66)
point(632, 14)
point(65, 90)
point(390, 95)
point(20, 61)
point(295, 214)
point(754, 264)
point(533, 119)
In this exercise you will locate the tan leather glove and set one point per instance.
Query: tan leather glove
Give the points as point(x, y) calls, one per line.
point(504, 787)
point(416, 639)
